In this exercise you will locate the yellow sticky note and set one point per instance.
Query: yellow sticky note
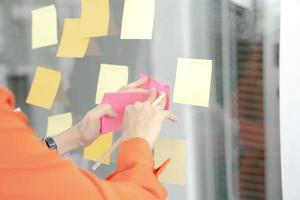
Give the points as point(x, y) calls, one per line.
point(44, 87)
point(138, 19)
point(175, 172)
point(94, 18)
point(111, 78)
point(192, 84)
point(71, 43)
point(44, 27)
point(58, 123)
point(98, 148)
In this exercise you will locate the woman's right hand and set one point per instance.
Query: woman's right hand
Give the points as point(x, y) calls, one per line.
point(88, 128)
point(144, 120)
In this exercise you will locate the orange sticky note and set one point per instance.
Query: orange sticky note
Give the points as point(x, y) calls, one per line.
point(44, 87)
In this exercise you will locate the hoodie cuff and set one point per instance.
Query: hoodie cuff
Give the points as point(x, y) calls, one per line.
point(135, 151)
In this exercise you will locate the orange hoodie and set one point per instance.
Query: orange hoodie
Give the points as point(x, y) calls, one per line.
point(28, 170)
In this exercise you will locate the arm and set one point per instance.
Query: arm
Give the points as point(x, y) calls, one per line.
point(87, 130)
point(134, 177)
point(68, 140)
point(83, 133)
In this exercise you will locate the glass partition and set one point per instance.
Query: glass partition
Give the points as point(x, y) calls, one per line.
point(233, 145)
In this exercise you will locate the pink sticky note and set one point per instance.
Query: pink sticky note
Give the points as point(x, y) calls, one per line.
point(160, 87)
point(119, 101)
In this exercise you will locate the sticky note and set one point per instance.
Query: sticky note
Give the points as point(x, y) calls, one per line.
point(111, 78)
point(98, 148)
point(138, 19)
point(175, 172)
point(44, 27)
point(71, 43)
point(44, 87)
point(119, 101)
point(94, 19)
point(58, 123)
point(159, 86)
point(192, 84)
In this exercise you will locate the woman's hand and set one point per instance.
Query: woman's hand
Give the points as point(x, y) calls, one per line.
point(87, 130)
point(90, 126)
point(144, 120)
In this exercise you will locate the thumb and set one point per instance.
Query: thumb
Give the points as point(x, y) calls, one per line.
point(152, 95)
point(107, 110)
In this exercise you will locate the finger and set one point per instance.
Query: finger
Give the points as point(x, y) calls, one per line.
point(109, 112)
point(162, 104)
point(128, 107)
point(137, 83)
point(140, 90)
point(137, 103)
point(157, 107)
point(105, 110)
point(152, 95)
point(170, 116)
point(159, 99)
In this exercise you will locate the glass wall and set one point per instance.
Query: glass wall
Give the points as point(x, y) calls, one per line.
point(232, 146)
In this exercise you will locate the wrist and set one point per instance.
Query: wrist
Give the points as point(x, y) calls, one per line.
point(68, 140)
point(50, 143)
point(127, 136)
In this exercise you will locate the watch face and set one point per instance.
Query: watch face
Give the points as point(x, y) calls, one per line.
point(50, 143)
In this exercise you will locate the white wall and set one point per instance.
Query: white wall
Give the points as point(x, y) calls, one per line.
point(290, 98)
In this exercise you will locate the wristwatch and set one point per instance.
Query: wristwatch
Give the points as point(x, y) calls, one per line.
point(49, 141)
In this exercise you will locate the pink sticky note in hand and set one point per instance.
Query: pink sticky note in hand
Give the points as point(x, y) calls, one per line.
point(119, 101)
point(152, 83)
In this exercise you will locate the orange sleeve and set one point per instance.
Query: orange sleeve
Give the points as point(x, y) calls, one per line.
point(134, 177)
point(28, 170)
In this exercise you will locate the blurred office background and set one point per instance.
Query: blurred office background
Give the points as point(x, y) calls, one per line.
point(233, 150)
